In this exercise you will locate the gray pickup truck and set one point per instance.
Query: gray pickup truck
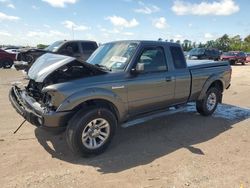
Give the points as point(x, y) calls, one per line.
point(120, 82)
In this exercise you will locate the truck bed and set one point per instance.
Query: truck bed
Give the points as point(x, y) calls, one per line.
point(202, 70)
point(197, 64)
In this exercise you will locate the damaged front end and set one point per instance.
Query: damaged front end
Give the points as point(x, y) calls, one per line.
point(39, 100)
point(35, 113)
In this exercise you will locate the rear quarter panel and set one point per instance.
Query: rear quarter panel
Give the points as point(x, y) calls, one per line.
point(202, 78)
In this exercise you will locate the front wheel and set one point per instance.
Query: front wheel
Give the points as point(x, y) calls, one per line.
point(7, 63)
point(232, 62)
point(208, 104)
point(90, 132)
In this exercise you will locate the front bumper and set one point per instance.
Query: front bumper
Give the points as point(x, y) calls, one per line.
point(28, 108)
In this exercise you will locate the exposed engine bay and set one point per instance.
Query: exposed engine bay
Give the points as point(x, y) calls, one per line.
point(71, 70)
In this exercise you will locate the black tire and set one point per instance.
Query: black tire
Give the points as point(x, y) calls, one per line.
point(78, 124)
point(232, 62)
point(203, 107)
point(243, 63)
point(7, 63)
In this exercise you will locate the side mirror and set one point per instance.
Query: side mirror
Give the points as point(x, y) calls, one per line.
point(138, 69)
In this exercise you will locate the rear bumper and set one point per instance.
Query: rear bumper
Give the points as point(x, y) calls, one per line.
point(52, 121)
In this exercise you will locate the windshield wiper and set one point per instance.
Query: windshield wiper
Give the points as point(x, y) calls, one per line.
point(103, 67)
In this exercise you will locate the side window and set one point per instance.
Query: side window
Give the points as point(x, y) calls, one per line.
point(72, 48)
point(216, 53)
point(178, 57)
point(88, 46)
point(210, 52)
point(242, 54)
point(153, 59)
point(207, 52)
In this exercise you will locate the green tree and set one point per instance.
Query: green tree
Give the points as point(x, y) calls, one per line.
point(246, 44)
point(42, 46)
point(236, 43)
point(187, 45)
point(211, 44)
point(223, 43)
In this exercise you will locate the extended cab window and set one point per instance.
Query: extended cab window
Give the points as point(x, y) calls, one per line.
point(71, 49)
point(88, 46)
point(178, 57)
point(153, 59)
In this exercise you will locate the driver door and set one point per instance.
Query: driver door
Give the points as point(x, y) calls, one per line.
point(154, 87)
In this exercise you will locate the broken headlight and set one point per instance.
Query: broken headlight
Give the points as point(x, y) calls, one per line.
point(49, 102)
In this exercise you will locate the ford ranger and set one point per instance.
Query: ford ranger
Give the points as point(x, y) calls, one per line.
point(120, 82)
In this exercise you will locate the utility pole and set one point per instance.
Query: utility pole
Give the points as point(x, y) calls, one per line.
point(73, 34)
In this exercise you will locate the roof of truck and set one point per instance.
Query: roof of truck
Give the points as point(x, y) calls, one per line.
point(78, 41)
point(148, 42)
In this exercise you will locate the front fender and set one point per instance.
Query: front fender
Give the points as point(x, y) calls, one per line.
point(208, 83)
point(94, 94)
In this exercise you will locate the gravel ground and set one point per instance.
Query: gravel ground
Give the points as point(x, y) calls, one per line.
point(181, 150)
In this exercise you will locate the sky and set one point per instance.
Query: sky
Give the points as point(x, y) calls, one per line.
point(32, 22)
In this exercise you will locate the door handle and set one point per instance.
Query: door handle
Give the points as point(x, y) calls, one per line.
point(169, 79)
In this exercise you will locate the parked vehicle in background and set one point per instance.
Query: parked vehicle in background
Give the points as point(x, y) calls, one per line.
point(204, 53)
point(247, 57)
point(12, 51)
point(6, 59)
point(80, 49)
point(11, 47)
point(234, 57)
point(186, 54)
point(121, 82)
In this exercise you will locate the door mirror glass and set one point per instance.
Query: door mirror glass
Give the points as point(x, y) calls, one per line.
point(140, 67)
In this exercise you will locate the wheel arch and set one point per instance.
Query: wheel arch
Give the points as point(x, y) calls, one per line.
point(212, 82)
point(96, 97)
point(99, 103)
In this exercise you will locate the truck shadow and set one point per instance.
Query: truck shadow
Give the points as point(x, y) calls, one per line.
point(142, 144)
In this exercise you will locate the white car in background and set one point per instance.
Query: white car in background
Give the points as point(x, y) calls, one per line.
point(12, 51)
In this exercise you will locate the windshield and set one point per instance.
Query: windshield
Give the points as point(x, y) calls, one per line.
point(53, 47)
point(113, 56)
point(196, 51)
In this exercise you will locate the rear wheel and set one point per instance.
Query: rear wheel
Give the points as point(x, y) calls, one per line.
point(90, 132)
point(208, 104)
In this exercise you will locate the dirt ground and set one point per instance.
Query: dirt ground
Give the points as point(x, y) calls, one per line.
point(181, 150)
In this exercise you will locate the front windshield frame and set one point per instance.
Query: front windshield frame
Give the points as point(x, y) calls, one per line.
point(115, 56)
point(54, 46)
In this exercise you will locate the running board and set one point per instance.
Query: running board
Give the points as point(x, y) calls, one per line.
point(148, 117)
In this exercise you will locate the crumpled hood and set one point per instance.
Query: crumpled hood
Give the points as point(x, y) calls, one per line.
point(46, 64)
